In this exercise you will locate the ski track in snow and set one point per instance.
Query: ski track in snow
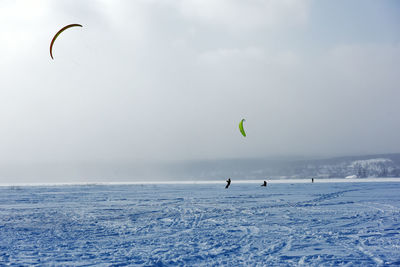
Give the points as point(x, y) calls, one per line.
point(343, 224)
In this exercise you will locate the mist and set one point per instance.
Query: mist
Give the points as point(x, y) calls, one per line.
point(150, 82)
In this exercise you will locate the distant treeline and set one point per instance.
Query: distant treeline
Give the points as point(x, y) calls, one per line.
point(381, 165)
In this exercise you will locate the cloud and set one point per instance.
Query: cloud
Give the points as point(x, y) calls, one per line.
point(367, 64)
point(171, 80)
point(20, 20)
point(238, 15)
point(224, 55)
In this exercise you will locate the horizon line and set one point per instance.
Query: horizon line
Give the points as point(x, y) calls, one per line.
point(189, 182)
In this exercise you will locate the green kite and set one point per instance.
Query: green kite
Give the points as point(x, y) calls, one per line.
point(241, 127)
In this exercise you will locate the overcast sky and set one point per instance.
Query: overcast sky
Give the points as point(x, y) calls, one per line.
point(171, 79)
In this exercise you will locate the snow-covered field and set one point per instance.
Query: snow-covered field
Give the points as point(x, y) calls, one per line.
point(320, 224)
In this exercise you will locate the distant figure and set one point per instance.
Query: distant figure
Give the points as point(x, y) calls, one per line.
point(312, 180)
point(228, 183)
point(264, 184)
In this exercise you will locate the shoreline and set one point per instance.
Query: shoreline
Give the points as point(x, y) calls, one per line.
point(276, 181)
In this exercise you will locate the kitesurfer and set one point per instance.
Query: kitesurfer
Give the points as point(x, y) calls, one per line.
point(228, 183)
point(312, 180)
point(264, 184)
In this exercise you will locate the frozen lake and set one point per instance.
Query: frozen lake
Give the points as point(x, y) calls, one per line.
point(326, 224)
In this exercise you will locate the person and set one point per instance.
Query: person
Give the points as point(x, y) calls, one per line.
point(312, 180)
point(264, 184)
point(228, 183)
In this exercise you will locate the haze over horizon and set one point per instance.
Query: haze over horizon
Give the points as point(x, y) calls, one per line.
point(169, 80)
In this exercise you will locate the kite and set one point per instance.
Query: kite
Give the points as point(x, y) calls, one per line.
point(58, 33)
point(241, 127)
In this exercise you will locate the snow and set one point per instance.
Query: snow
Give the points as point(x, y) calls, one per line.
point(300, 224)
point(372, 161)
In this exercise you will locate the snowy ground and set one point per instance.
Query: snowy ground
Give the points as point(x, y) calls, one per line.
point(320, 224)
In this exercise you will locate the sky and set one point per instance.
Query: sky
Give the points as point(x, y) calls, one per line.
point(170, 80)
